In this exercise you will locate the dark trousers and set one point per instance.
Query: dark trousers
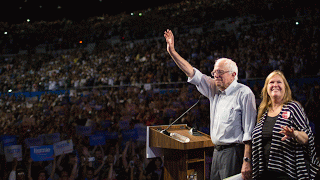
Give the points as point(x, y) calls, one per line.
point(226, 162)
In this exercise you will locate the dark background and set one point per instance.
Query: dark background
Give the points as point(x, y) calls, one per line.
point(17, 11)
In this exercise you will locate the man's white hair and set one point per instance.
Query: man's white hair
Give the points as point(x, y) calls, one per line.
point(230, 65)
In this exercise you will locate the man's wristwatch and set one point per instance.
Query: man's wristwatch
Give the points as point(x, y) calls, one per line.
point(246, 159)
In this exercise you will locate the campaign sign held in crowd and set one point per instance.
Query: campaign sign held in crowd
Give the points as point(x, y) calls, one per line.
point(111, 135)
point(97, 139)
point(131, 134)
point(84, 130)
point(38, 141)
point(8, 140)
point(63, 147)
point(41, 153)
point(14, 151)
point(50, 139)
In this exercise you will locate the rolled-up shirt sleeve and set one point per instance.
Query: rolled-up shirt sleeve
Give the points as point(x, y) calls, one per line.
point(203, 82)
point(196, 79)
point(249, 115)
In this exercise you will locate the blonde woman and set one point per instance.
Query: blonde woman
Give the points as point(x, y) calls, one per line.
point(282, 140)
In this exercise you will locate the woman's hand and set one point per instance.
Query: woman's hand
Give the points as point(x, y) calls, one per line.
point(300, 136)
point(288, 133)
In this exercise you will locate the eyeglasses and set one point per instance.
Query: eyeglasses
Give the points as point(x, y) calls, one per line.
point(219, 72)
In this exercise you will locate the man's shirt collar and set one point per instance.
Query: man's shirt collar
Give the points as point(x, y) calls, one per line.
point(230, 88)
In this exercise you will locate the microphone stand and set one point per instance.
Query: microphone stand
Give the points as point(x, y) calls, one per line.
point(165, 130)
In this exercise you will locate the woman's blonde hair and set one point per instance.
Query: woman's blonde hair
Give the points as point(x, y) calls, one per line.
point(266, 100)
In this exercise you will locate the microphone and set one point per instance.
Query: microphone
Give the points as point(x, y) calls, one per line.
point(165, 130)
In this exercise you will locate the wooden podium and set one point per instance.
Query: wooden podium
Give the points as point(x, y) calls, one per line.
point(181, 158)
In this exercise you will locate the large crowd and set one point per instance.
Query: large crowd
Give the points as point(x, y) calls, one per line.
point(117, 83)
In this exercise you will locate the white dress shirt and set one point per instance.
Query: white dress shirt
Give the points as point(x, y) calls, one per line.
point(232, 112)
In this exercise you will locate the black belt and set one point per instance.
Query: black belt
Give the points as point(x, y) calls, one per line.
point(222, 147)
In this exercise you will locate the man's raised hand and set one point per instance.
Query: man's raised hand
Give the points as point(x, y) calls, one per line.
point(170, 40)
